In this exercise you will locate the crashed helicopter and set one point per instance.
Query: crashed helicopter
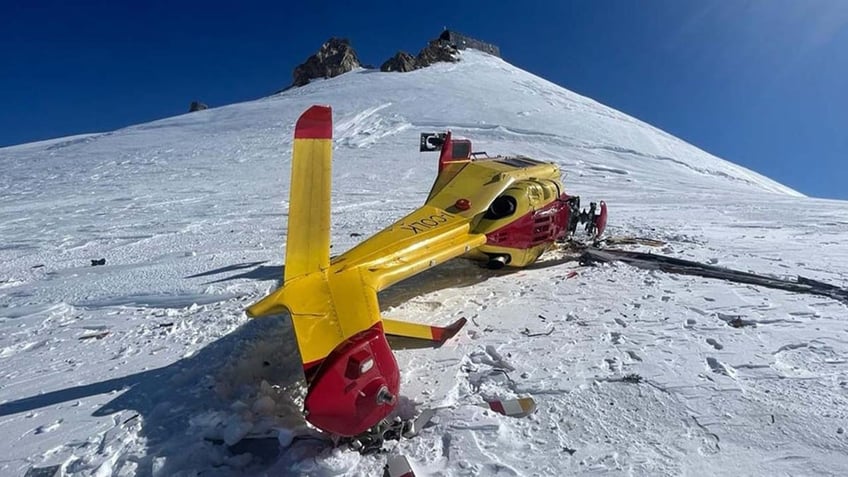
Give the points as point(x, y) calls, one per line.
point(503, 211)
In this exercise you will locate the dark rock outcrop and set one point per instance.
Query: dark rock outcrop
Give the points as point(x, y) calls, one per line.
point(436, 51)
point(442, 49)
point(197, 106)
point(335, 57)
point(401, 62)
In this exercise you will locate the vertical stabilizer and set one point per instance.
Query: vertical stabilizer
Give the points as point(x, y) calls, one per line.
point(308, 242)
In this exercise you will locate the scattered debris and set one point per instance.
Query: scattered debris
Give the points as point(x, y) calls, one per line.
point(398, 466)
point(96, 336)
point(526, 332)
point(632, 378)
point(51, 471)
point(738, 322)
point(633, 241)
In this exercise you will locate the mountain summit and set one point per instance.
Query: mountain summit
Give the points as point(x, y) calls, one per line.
point(488, 99)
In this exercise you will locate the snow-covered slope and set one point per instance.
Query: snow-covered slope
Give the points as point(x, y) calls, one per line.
point(147, 365)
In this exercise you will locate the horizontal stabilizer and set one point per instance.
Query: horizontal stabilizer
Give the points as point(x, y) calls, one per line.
point(270, 305)
point(437, 335)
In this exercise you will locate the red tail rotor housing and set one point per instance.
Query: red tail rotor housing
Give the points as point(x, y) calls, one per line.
point(356, 386)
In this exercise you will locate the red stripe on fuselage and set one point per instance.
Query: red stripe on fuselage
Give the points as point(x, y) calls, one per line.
point(536, 227)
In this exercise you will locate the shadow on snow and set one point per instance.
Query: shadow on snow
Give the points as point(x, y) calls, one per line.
point(180, 405)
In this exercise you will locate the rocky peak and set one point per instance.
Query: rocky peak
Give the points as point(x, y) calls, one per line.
point(335, 57)
point(197, 106)
point(401, 62)
point(436, 51)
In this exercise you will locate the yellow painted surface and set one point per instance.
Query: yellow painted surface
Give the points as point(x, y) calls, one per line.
point(308, 234)
point(405, 328)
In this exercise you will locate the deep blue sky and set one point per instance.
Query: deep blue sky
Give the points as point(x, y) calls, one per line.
point(761, 83)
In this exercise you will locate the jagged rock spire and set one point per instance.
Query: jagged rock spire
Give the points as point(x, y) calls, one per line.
point(335, 57)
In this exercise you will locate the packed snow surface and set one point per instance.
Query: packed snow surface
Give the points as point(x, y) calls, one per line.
point(148, 366)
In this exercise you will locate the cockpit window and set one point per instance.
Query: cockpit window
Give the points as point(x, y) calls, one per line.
point(461, 149)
